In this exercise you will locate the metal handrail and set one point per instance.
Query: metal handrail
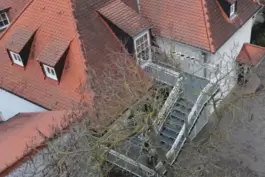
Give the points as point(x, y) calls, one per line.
point(197, 108)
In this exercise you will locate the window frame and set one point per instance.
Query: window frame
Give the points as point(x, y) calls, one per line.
point(16, 58)
point(141, 35)
point(50, 72)
point(2, 20)
point(232, 10)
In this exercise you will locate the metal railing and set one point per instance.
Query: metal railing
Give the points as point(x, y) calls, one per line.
point(168, 105)
point(198, 107)
point(129, 164)
point(161, 73)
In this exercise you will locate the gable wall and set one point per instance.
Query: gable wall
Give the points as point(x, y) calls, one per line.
point(171, 48)
point(226, 55)
point(10, 105)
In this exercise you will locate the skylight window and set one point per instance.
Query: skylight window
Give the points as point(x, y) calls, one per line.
point(4, 21)
point(16, 58)
point(50, 72)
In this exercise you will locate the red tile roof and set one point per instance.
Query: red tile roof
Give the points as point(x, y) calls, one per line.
point(251, 54)
point(92, 45)
point(199, 23)
point(124, 17)
point(54, 21)
point(22, 133)
point(15, 7)
point(19, 39)
point(52, 52)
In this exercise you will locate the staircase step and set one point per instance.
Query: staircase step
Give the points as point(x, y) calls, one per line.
point(175, 121)
point(178, 114)
point(173, 127)
point(185, 102)
point(181, 108)
point(166, 140)
point(169, 133)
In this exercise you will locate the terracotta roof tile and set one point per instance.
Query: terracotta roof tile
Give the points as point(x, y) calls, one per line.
point(221, 29)
point(21, 133)
point(53, 51)
point(19, 39)
point(124, 17)
point(199, 23)
point(54, 21)
point(251, 54)
point(15, 7)
point(91, 47)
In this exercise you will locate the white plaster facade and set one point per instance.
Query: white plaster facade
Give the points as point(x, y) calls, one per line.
point(224, 58)
point(10, 105)
point(218, 67)
point(177, 49)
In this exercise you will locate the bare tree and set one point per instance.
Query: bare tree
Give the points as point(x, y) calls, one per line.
point(127, 105)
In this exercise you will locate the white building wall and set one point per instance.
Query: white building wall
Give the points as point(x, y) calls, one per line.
point(176, 49)
point(10, 105)
point(224, 58)
point(219, 65)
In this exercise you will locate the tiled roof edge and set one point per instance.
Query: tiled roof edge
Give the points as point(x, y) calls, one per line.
point(207, 25)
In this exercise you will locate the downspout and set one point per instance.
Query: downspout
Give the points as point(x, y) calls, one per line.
point(204, 55)
point(138, 5)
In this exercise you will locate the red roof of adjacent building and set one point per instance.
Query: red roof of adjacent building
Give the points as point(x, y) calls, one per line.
point(56, 26)
point(251, 54)
point(199, 23)
point(89, 40)
point(51, 20)
point(24, 132)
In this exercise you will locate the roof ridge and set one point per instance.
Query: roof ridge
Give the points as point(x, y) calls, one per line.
point(254, 45)
point(207, 25)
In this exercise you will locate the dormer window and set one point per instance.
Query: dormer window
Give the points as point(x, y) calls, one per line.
point(18, 47)
point(232, 10)
point(16, 58)
point(50, 72)
point(142, 46)
point(4, 21)
point(52, 59)
point(229, 7)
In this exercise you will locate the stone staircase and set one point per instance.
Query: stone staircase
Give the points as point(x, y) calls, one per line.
point(174, 122)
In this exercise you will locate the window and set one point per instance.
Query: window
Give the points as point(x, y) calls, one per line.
point(232, 10)
point(50, 72)
point(16, 58)
point(4, 21)
point(142, 46)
